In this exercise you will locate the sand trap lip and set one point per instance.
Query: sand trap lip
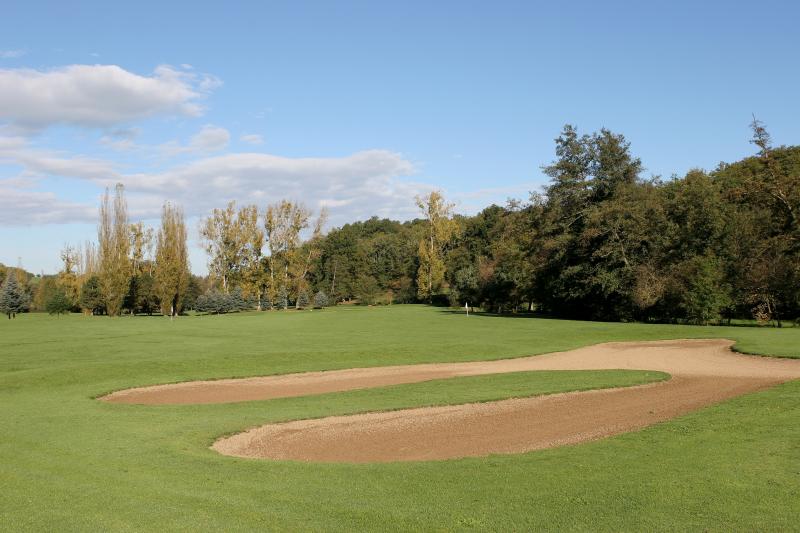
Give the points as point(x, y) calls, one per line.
point(703, 372)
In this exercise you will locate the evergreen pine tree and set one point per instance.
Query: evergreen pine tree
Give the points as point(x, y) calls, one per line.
point(302, 300)
point(283, 299)
point(320, 300)
point(236, 301)
point(91, 296)
point(58, 303)
point(13, 299)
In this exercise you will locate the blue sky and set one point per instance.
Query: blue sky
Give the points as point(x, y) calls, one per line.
point(361, 105)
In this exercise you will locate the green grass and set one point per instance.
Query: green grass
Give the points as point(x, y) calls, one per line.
point(68, 462)
point(484, 389)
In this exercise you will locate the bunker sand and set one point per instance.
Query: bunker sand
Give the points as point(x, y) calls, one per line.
point(703, 372)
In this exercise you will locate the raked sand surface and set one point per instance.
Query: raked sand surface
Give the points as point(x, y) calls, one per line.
point(703, 372)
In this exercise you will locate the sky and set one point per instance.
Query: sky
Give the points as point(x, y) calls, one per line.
point(360, 106)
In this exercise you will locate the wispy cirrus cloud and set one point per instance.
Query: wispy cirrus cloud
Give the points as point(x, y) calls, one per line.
point(252, 138)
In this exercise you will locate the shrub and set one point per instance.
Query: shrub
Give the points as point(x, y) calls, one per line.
point(302, 300)
point(283, 298)
point(218, 303)
point(238, 302)
point(58, 303)
point(206, 303)
point(212, 302)
point(91, 299)
point(320, 300)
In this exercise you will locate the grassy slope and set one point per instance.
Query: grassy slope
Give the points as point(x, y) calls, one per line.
point(68, 462)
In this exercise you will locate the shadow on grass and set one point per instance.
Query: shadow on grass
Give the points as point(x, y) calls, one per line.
point(741, 323)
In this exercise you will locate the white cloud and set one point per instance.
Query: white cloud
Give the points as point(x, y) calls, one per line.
point(97, 95)
point(252, 138)
point(357, 186)
point(9, 144)
point(19, 206)
point(209, 139)
point(43, 163)
point(353, 187)
point(121, 139)
point(37, 162)
point(11, 54)
point(209, 83)
point(22, 204)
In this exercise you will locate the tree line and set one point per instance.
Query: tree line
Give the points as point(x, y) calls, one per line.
point(601, 241)
point(131, 268)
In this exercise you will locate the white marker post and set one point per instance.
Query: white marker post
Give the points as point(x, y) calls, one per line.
point(466, 307)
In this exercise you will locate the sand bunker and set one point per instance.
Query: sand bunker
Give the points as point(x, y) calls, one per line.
point(703, 372)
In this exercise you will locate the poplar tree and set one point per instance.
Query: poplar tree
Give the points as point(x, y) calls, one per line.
point(172, 260)
point(114, 249)
point(141, 239)
point(439, 231)
point(90, 262)
point(90, 298)
point(21, 275)
point(68, 280)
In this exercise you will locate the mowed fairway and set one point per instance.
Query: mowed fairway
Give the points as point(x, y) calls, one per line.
point(70, 462)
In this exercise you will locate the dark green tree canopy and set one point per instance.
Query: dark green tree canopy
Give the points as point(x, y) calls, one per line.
point(13, 299)
point(58, 303)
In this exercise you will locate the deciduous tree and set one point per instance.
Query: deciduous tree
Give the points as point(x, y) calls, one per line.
point(234, 243)
point(440, 229)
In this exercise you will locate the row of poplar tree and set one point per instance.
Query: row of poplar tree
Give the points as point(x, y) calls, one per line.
point(601, 242)
point(129, 268)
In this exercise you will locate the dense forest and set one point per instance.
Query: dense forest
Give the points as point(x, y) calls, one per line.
point(601, 242)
